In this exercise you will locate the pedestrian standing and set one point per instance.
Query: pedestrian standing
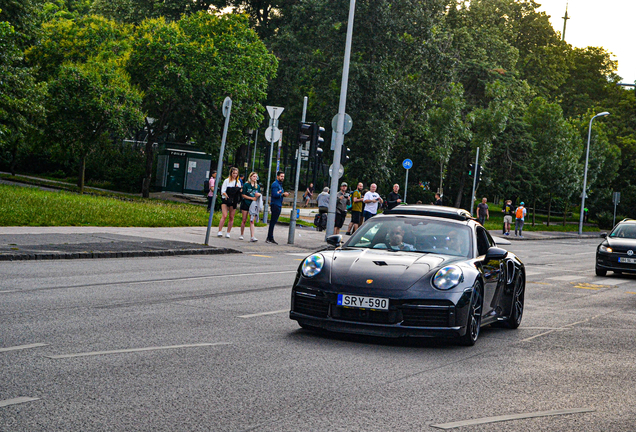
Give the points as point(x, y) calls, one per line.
point(251, 192)
point(341, 207)
point(356, 209)
point(371, 201)
point(438, 199)
point(277, 194)
point(394, 198)
point(323, 201)
point(508, 212)
point(211, 189)
point(309, 193)
point(520, 215)
point(482, 211)
point(230, 197)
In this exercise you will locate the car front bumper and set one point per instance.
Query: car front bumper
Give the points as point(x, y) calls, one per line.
point(609, 262)
point(405, 317)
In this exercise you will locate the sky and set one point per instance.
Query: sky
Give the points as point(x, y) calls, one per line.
point(603, 23)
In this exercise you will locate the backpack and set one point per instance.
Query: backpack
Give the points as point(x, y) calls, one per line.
point(519, 213)
point(320, 221)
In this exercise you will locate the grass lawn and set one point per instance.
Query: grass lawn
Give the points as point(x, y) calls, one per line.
point(25, 206)
point(495, 223)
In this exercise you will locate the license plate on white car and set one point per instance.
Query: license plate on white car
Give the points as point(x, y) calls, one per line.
point(355, 301)
point(627, 260)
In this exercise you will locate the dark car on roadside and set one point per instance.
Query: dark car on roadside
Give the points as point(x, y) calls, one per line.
point(617, 252)
point(414, 271)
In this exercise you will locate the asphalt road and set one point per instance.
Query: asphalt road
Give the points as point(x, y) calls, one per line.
point(205, 343)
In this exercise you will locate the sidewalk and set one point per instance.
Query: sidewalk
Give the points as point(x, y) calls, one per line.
point(29, 243)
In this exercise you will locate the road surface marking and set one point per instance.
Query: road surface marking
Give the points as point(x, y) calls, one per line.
point(629, 292)
point(263, 313)
point(587, 288)
point(302, 254)
point(531, 273)
point(8, 291)
point(298, 259)
point(16, 401)
point(21, 347)
point(486, 420)
point(96, 353)
point(263, 256)
point(566, 278)
point(612, 281)
point(539, 283)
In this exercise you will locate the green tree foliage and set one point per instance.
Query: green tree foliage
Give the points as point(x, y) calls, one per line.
point(89, 102)
point(135, 11)
point(21, 96)
point(187, 68)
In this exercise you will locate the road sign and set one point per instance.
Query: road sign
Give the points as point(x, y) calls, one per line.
point(227, 105)
point(275, 112)
point(407, 164)
point(340, 171)
point(348, 123)
point(616, 197)
point(272, 134)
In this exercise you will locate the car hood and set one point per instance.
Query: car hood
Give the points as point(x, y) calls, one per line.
point(621, 244)
point(394, 270)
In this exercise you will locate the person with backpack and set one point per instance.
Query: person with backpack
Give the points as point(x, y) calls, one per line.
point(520, 215)
point(251, 193)
point(323, 208)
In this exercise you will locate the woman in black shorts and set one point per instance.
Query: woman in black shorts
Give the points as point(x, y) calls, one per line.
point(230, 197)
point(251, 192)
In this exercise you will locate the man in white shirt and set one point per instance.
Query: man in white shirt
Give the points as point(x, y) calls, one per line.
point(371, 200)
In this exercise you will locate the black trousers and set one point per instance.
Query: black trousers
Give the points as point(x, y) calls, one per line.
point(272, 221)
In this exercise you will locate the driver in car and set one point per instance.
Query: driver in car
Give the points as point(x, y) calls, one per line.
point(396, 240)
point(456, 243)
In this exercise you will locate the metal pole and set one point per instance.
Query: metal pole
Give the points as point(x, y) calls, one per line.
point(614, 220)
point(472, 199)
point(331, 216)
point(269, 176)
point(587, 155)
point(255, 148)
point(292, 219)
point(219, 168)
point(406, 185)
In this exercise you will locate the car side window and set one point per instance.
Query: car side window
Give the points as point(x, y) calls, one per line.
point(482, 241)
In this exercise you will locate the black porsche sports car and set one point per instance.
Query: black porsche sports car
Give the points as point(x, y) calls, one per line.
point(617, 252)
point(421, 271)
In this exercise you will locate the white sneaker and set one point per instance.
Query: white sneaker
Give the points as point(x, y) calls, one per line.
point(240, 237)
point(227, 235)
point(219, 234)
point(253, 239)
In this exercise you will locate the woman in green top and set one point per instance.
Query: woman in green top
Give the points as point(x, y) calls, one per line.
point(250, 193)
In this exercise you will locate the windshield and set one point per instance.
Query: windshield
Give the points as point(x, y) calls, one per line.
point(414, 234)
point(624, 231)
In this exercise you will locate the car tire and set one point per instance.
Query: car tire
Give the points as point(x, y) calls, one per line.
point(473, 323)
point(600, 272)
point(518, 303)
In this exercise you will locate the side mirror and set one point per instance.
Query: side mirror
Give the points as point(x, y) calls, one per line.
point(603, 235)
point(495, 253)
point(334, 240)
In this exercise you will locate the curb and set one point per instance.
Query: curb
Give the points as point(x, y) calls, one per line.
point(111, 254)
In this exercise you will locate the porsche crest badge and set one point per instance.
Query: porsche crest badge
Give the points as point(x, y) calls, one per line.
point(369, 281)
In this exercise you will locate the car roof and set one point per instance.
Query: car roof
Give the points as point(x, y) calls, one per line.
point(431, 210)
point(628, 221)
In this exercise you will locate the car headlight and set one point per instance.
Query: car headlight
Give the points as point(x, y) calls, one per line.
point(604, 248)
point(313, 265)
point(448, 277)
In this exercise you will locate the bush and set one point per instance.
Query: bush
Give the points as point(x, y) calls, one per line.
point(605, 219)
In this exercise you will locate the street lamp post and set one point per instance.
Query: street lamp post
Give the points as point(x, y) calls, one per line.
point(587, 155)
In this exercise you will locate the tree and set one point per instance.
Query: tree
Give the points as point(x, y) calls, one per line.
point(187, 68)
point(89, 102)
point(21, 96)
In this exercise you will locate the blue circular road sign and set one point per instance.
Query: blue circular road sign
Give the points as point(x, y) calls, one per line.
point(407, 164)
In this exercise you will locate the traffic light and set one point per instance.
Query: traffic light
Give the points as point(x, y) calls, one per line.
point(471, 169)
point(479, 172)
point(344, 157)
point(316, 140)
point(304, 132)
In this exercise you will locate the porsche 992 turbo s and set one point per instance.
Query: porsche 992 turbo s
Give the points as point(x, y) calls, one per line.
point(617, 252)
point(414, 271)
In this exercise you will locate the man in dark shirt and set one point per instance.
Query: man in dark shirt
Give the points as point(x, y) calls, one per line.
point(276, 204)
point(438, 199)
point(482, 211)
point(394, 197)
